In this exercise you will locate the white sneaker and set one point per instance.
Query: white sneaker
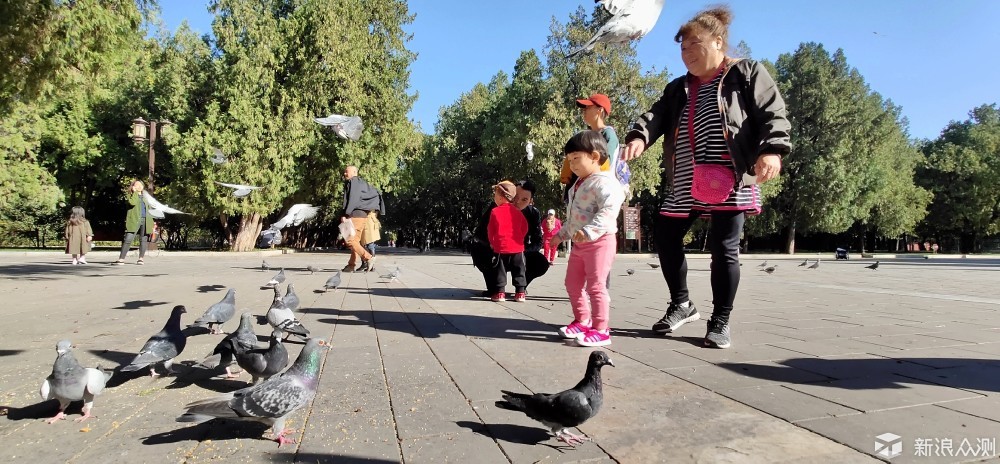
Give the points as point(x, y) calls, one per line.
point(83, 261)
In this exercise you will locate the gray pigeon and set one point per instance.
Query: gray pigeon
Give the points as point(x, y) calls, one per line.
point(814, 265)
point(290, 299)
point(566, 409)
point(873, 267)
point(805, 262)
point(277, 279)
point(630, 20)
point(163, 347)
point(70, 382)
point(263, 363)
point(312, 269)
point(296, 215)
point(282, 318)
point(218, 157)
point(243, 339)
point(333, 282)
point(770, 270)
point(346, 127)
point(239, 190)
point(218, 314)
point(264, 266)
point(270, 401)
point(764, 264)
point(630, 271)
point(393, 275)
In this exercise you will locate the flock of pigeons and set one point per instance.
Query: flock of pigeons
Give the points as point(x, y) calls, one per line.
point(805, 263)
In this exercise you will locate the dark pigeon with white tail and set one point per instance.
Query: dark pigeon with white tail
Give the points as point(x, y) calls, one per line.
point(218, 314)
point(163, 347)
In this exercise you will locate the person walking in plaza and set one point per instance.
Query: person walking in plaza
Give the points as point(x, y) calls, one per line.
point(372, 232)
point(138, 222)
point(78, 235)
point(360, 199)
point(506, 231)
point(726, 131)
point(550, 227)
point(594, 203)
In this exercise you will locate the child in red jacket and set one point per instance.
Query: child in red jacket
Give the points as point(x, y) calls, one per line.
point(506, 231)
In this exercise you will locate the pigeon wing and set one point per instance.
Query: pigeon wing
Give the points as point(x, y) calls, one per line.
point(274, 398)
point(96, 380)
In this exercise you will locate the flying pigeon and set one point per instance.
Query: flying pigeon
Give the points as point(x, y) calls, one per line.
point(163, 347)
point(218, 314)
point(290, 299)
point(264, 266)
point(764, 264)
point(282, 318)
point(277, 279)
point(805, 262)
point(393, 275)
point(264, 363)
point(346, 127)
point(333, 282)
point(529, 151)
point(296, 215)
point(239, 191)
point(630, 20)
point(654, 265)
point(243, 339)
point(630, 271)
point(814, 265)
point(770, 270)
point(218, 157)
point(567, 409)
point(312, 269)
point(157, 209)
point(70, 382)
point(270, 401)
point(873, 267)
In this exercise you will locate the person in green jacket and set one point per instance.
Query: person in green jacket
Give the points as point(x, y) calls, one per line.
point(137, 221)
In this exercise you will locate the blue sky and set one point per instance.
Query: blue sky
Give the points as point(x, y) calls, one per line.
point(935, 59)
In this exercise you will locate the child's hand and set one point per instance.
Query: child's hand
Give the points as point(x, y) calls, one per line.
point(90, 239)
point(580, 237)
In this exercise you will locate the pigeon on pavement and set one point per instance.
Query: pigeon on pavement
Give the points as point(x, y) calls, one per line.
point(333, 282)
point(157, 209)
point(393, 275)
point(264, 266)
point(566, 409)
point(239, 190)
point(630, 20)
point(163, 347)
point(312, 269)
point(804, 262)
point(764, 264)
point(296, 215)
point(264, 363)
point(814, 265)
point(270, 401)
point(873, 267)
point(282, 318)
point(290, 299)
point(630, 271)
point(654, 265)
point(218, 314)
point(770, 270)
point(277, 279)
point(243, 339)
point(70, 382)
point(346, 127)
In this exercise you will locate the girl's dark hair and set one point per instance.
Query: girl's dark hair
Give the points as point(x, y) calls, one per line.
point(77, 216)
point(588, 141)
point(527, 185)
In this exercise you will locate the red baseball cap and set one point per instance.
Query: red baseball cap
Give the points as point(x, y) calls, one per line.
point(598, 99)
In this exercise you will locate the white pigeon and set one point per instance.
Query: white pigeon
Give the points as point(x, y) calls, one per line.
point(346, 127)
point(239, 191)
point(296, 215)
point(529, 149)
point(219, 158)
point(630, 20)
point(157, 209)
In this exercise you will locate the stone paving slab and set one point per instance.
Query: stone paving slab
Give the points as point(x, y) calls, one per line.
point(822, 363)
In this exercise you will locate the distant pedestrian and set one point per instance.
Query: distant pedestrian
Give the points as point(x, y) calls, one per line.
point(79, 236)
point(360, 199)
point(550, 227)
point(506, 231)
point(594, 203)
point(138, 222)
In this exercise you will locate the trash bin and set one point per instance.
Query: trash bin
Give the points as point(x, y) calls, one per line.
point(843, 254)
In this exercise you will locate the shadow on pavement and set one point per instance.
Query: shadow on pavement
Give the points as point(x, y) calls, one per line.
point(434, 325)
point(10, 352)
point(215, 429)
point(512, 433)
point(210, 288)
point(137, 304)
point(323, 458)
point(43, 410)
point(881, 373)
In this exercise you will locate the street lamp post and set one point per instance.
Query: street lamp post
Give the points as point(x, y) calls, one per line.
point(143, 131)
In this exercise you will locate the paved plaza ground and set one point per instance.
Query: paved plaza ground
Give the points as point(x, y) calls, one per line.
point(823, 362)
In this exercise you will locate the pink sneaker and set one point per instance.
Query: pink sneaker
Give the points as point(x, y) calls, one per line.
point(594, 338)
point(499, 297)
point(574, 330)
point(520, 297)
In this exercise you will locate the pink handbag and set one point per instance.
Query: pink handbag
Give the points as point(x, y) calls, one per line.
point(712, 183)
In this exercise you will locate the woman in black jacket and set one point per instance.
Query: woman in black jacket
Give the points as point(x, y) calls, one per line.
point(725, 132)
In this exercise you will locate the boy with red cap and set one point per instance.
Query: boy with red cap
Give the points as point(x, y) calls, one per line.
point(506, 231)
point(596, 109)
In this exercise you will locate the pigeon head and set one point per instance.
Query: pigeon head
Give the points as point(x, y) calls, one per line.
point(290, 289)
point(599, 358)
point(64, 346)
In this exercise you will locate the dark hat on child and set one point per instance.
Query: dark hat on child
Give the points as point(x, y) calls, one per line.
point(507, 189)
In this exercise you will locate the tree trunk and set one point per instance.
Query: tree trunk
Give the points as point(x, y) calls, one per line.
point(246, 238)
point(790, 240)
